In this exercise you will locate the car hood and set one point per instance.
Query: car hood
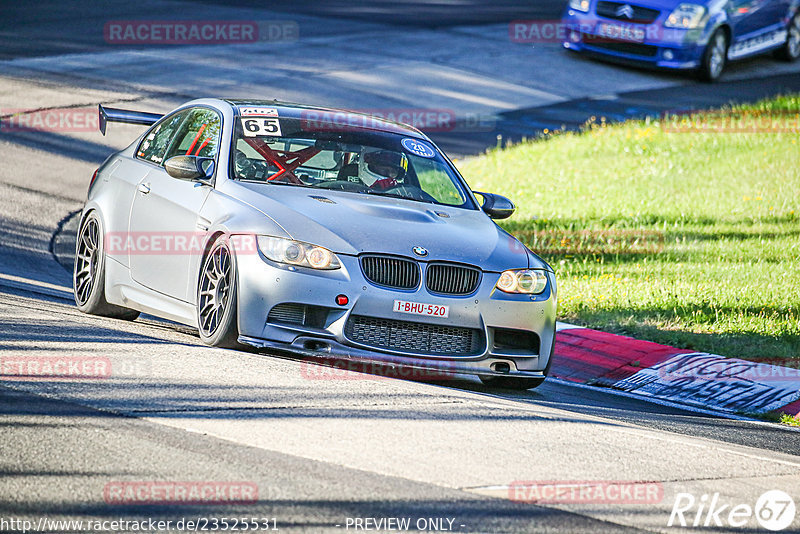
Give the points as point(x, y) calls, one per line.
point(352, 223)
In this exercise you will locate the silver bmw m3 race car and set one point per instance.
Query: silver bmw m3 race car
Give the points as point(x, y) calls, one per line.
point(323, 232)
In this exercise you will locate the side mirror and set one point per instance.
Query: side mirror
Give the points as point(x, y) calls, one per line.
point(496, 206)
point(191, 168)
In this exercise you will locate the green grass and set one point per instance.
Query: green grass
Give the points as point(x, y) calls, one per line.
point(690, 239)
point(790, 420)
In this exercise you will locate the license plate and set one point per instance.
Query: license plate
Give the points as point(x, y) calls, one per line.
point(621, 32)
point(417, 308)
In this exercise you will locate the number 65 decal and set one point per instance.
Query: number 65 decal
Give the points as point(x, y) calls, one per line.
point(261, 126)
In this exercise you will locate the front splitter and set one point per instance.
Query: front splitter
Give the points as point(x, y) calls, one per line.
point(335, 351)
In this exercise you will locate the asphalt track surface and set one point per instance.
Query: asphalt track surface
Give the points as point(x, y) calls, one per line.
point(61, 27)
point(321, 446)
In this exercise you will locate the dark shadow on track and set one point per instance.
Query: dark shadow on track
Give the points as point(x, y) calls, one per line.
point(302, 494)
point(516, 126)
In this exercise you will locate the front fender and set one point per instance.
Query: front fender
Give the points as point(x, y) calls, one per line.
point(719, 16)
point(224, 215)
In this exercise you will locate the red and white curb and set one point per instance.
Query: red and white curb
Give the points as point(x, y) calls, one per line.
point(682, 377)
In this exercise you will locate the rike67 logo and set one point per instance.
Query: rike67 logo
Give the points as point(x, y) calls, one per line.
point(774, 510)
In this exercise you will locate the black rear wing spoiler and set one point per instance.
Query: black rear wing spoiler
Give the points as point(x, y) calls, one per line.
point(123, 115)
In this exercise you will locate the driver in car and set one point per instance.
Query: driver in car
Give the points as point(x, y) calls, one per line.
point(382, 169)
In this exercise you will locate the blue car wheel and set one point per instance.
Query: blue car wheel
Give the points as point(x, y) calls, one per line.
point(790, 51)
point(715, 56)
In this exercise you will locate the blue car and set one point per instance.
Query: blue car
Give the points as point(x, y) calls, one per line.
point(702, 36)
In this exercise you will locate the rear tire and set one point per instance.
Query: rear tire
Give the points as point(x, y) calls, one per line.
point(89, 273)
point(715, 57)
point(790, 50)
point(216, 297)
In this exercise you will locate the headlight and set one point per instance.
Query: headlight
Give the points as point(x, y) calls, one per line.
point(686, 16)
point(579, 5)
point(526, 281)
point(297, 253)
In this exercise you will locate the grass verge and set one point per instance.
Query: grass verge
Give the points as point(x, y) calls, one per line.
point(682, 231)
point(790, 420)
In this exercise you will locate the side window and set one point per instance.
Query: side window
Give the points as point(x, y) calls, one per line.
point(198, 135)
point(155, 143)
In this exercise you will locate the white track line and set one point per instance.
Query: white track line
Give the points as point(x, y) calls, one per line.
point(36, 286)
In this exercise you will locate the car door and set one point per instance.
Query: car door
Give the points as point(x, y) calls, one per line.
point(164, 219)
point(773, 22)
point(754, 22)
point(124, 175)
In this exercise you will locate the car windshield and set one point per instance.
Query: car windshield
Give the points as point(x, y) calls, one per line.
point(295, 152)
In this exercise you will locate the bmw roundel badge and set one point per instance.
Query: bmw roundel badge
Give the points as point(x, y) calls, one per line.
point(420, 251)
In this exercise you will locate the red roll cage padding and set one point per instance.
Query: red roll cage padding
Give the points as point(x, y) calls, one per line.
point(196, 137)
point(287, 162)
point(201, 147)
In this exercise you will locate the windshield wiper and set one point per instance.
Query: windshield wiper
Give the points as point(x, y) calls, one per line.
point(287, 183)
point(395, 195)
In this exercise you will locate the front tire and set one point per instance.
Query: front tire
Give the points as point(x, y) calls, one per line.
point(216, 297)
point(715, 57)
point(790, 50)
point(89, 273)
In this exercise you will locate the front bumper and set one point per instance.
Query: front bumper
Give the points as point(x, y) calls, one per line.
point(262, 285)
point(660, 48)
